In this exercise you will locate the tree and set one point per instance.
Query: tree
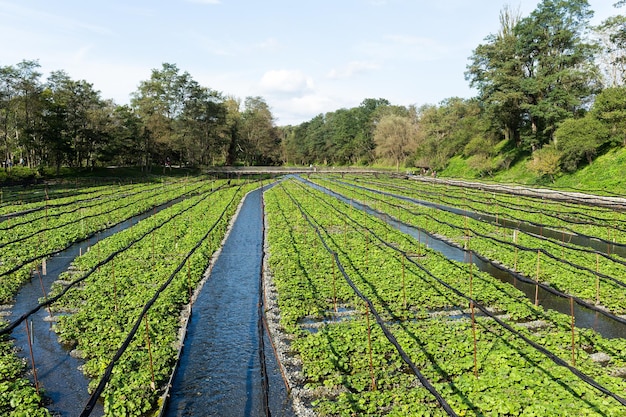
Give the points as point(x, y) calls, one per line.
point(496, 71)
point(538, 71)
point(445, 130)
point(612, 33)
point(202, 126)
point(610, 108)
point(78, 105)
point(159, 101)
point(8, 113)
point(579, 138)
point(546, 162)
point(395, 138)
point(259, 139)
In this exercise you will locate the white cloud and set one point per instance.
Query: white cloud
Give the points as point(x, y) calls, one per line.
point(353, 68)
point(285, 81)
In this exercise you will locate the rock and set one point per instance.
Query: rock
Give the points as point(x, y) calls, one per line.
point(600, 357)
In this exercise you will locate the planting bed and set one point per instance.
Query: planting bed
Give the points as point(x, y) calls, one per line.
point(367, 319)
point(527, 361)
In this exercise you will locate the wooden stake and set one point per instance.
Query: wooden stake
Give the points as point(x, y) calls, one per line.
point(367, 249)
point(114, 283)
point(474, 336)
point(32, 356)
point(43, 289)
point(152, 385)
point(537, 280)
point(189, 280)
point(419, 242)
point(597, 278)
point(334, 285)
point(403, 282)
point(571, 306)
point(369, 345)
point(516, 249)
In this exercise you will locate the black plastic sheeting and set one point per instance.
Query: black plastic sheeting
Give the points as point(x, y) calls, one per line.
point(425, 382)
point(582, 376)
point(221, 368)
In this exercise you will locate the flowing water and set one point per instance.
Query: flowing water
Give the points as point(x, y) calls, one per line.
point(584, 317)
point(220, 367)
point(566, 237)
point(64, 385)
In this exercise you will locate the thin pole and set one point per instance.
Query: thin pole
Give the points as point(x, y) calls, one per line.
point(597, 278)
point(403, 282)
point(334, 286)
point(537, 280)
point(114, 283)
point(32, 356)
point(43, 289)
point(571, 306)
point(153, 385)
point(369, 344)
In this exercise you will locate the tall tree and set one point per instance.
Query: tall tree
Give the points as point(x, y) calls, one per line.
point(496, 71)
point(560, 76)
point(396, 138)
point(538, 70)
point(612, 33)
point(260, 141)
point(159, 101)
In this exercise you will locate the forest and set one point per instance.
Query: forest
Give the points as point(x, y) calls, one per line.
point(550, 90)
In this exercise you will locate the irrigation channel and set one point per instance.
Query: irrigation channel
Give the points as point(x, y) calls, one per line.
point(595, 244)
point(585, 317)
point(227, 366)
point(58, 372)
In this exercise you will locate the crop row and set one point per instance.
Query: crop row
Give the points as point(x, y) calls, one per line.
point(587, 274)
point(41, 217)
point(105, 307)
point(17, 197)
point(398, 275)
point(599, 222)
point(23, 254)
point(49, 197)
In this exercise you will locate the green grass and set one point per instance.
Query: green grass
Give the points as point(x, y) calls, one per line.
point(604, 174)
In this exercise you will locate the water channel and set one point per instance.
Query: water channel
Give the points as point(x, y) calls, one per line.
point(584, 317)
point(219, 373)
point(573, 238)
point(64, 385)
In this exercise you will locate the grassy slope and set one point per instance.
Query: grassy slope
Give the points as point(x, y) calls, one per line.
point(606, 173)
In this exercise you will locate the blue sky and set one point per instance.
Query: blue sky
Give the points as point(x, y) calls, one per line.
point(303, 57)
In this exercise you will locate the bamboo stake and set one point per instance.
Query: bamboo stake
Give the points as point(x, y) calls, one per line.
point(571, 306)
point(32, 356)
point(114, 283)
point(369, 345)
point(537, 279)
point(43, 289)
point(334, 285)
point(403, 282)
point(597, 278)
point(152, 385)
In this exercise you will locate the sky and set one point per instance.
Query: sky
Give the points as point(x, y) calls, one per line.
point(303, 57)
